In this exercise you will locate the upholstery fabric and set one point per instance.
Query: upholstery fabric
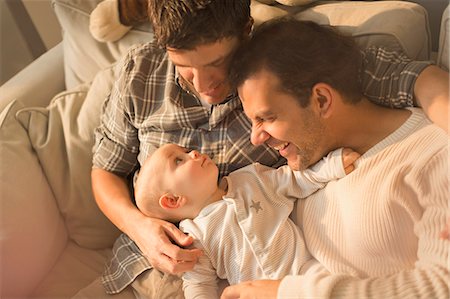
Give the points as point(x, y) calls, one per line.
point(83, 55)
point(371, 23)
point(444, 40)
point(31, 240)
point(62, 137)
point(77, 267)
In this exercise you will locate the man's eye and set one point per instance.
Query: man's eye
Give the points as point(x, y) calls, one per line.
point(266, 119)
point(178, 161)
point(217, 64)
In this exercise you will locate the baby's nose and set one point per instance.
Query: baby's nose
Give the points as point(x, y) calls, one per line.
point(194, 154)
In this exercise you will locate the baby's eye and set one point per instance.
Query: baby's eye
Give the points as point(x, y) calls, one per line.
point(178, 161)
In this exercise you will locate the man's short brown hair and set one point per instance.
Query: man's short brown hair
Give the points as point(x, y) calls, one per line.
point(185, 24)
point(301, 54)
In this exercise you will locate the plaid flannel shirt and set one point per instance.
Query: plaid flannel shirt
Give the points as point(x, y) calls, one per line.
point(148, 107)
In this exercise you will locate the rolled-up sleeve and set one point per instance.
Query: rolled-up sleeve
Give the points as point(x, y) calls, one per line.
point(388, 77)
point(116, 139)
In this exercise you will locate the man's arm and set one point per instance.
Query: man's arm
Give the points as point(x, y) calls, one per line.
point(392, 79)
point(151, 235)
point(115, 154)
point(431, 92)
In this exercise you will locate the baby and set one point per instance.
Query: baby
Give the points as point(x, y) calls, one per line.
point(242, 222)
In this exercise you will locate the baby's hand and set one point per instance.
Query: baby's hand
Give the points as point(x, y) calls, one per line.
point(348, 158)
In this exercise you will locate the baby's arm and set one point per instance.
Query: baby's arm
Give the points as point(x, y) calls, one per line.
point(202, 281)
point(199, 283)
point(334, 166)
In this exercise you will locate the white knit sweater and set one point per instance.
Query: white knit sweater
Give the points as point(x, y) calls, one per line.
point(377, 229)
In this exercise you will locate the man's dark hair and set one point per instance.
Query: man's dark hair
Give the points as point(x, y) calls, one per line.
point(301, 54)
point(185, 24)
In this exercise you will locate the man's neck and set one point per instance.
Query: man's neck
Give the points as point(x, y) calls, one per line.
point(365, 124)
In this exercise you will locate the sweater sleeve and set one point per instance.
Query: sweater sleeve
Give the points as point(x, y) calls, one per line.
point(429, 277)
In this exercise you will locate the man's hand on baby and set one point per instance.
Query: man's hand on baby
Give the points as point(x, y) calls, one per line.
point(257, 289)
point(155, 242)
point(349, 157)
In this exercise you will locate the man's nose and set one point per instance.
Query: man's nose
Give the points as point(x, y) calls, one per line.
point(201, 80)
point(258, 136)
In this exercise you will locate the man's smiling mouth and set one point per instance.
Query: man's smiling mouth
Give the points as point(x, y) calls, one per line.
point(280, 146)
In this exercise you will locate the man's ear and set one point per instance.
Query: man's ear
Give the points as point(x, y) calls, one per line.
point(323, 99)
point(248, 27)
point(171, 201)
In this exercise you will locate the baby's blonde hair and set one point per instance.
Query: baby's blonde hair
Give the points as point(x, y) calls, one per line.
point(147, 191)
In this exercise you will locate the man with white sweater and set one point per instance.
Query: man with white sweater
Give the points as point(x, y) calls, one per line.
point(374, 233)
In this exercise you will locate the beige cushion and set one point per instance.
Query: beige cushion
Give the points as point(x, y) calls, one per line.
point(76, 268)
point(83, 55)
point(32, 232)
point(62, 136)
point(378, 23)
point(262, 12)
point(444, 40)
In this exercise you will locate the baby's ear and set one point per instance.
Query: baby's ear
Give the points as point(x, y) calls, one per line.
point(171, 201)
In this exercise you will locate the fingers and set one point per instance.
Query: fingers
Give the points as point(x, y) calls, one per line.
point(180, 254)
point(171, 266)
point(348, 158)
point(169, 257)
point(180, 238)
point(177, 235)
point(159, 245)
point(349, 169)
point(173, 259)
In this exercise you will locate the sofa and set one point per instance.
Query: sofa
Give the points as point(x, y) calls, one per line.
point(54, 240)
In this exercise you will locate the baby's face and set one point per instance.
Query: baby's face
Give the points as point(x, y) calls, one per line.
point(190, 174)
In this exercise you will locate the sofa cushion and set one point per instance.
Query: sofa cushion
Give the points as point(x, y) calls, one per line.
point(444, 40)
point(85, 266)
point(32, 232)
point(62, 137)
point(372, 23)
point(83, 55)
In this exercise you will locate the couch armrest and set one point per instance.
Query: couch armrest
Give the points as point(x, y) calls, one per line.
point(38, 82)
